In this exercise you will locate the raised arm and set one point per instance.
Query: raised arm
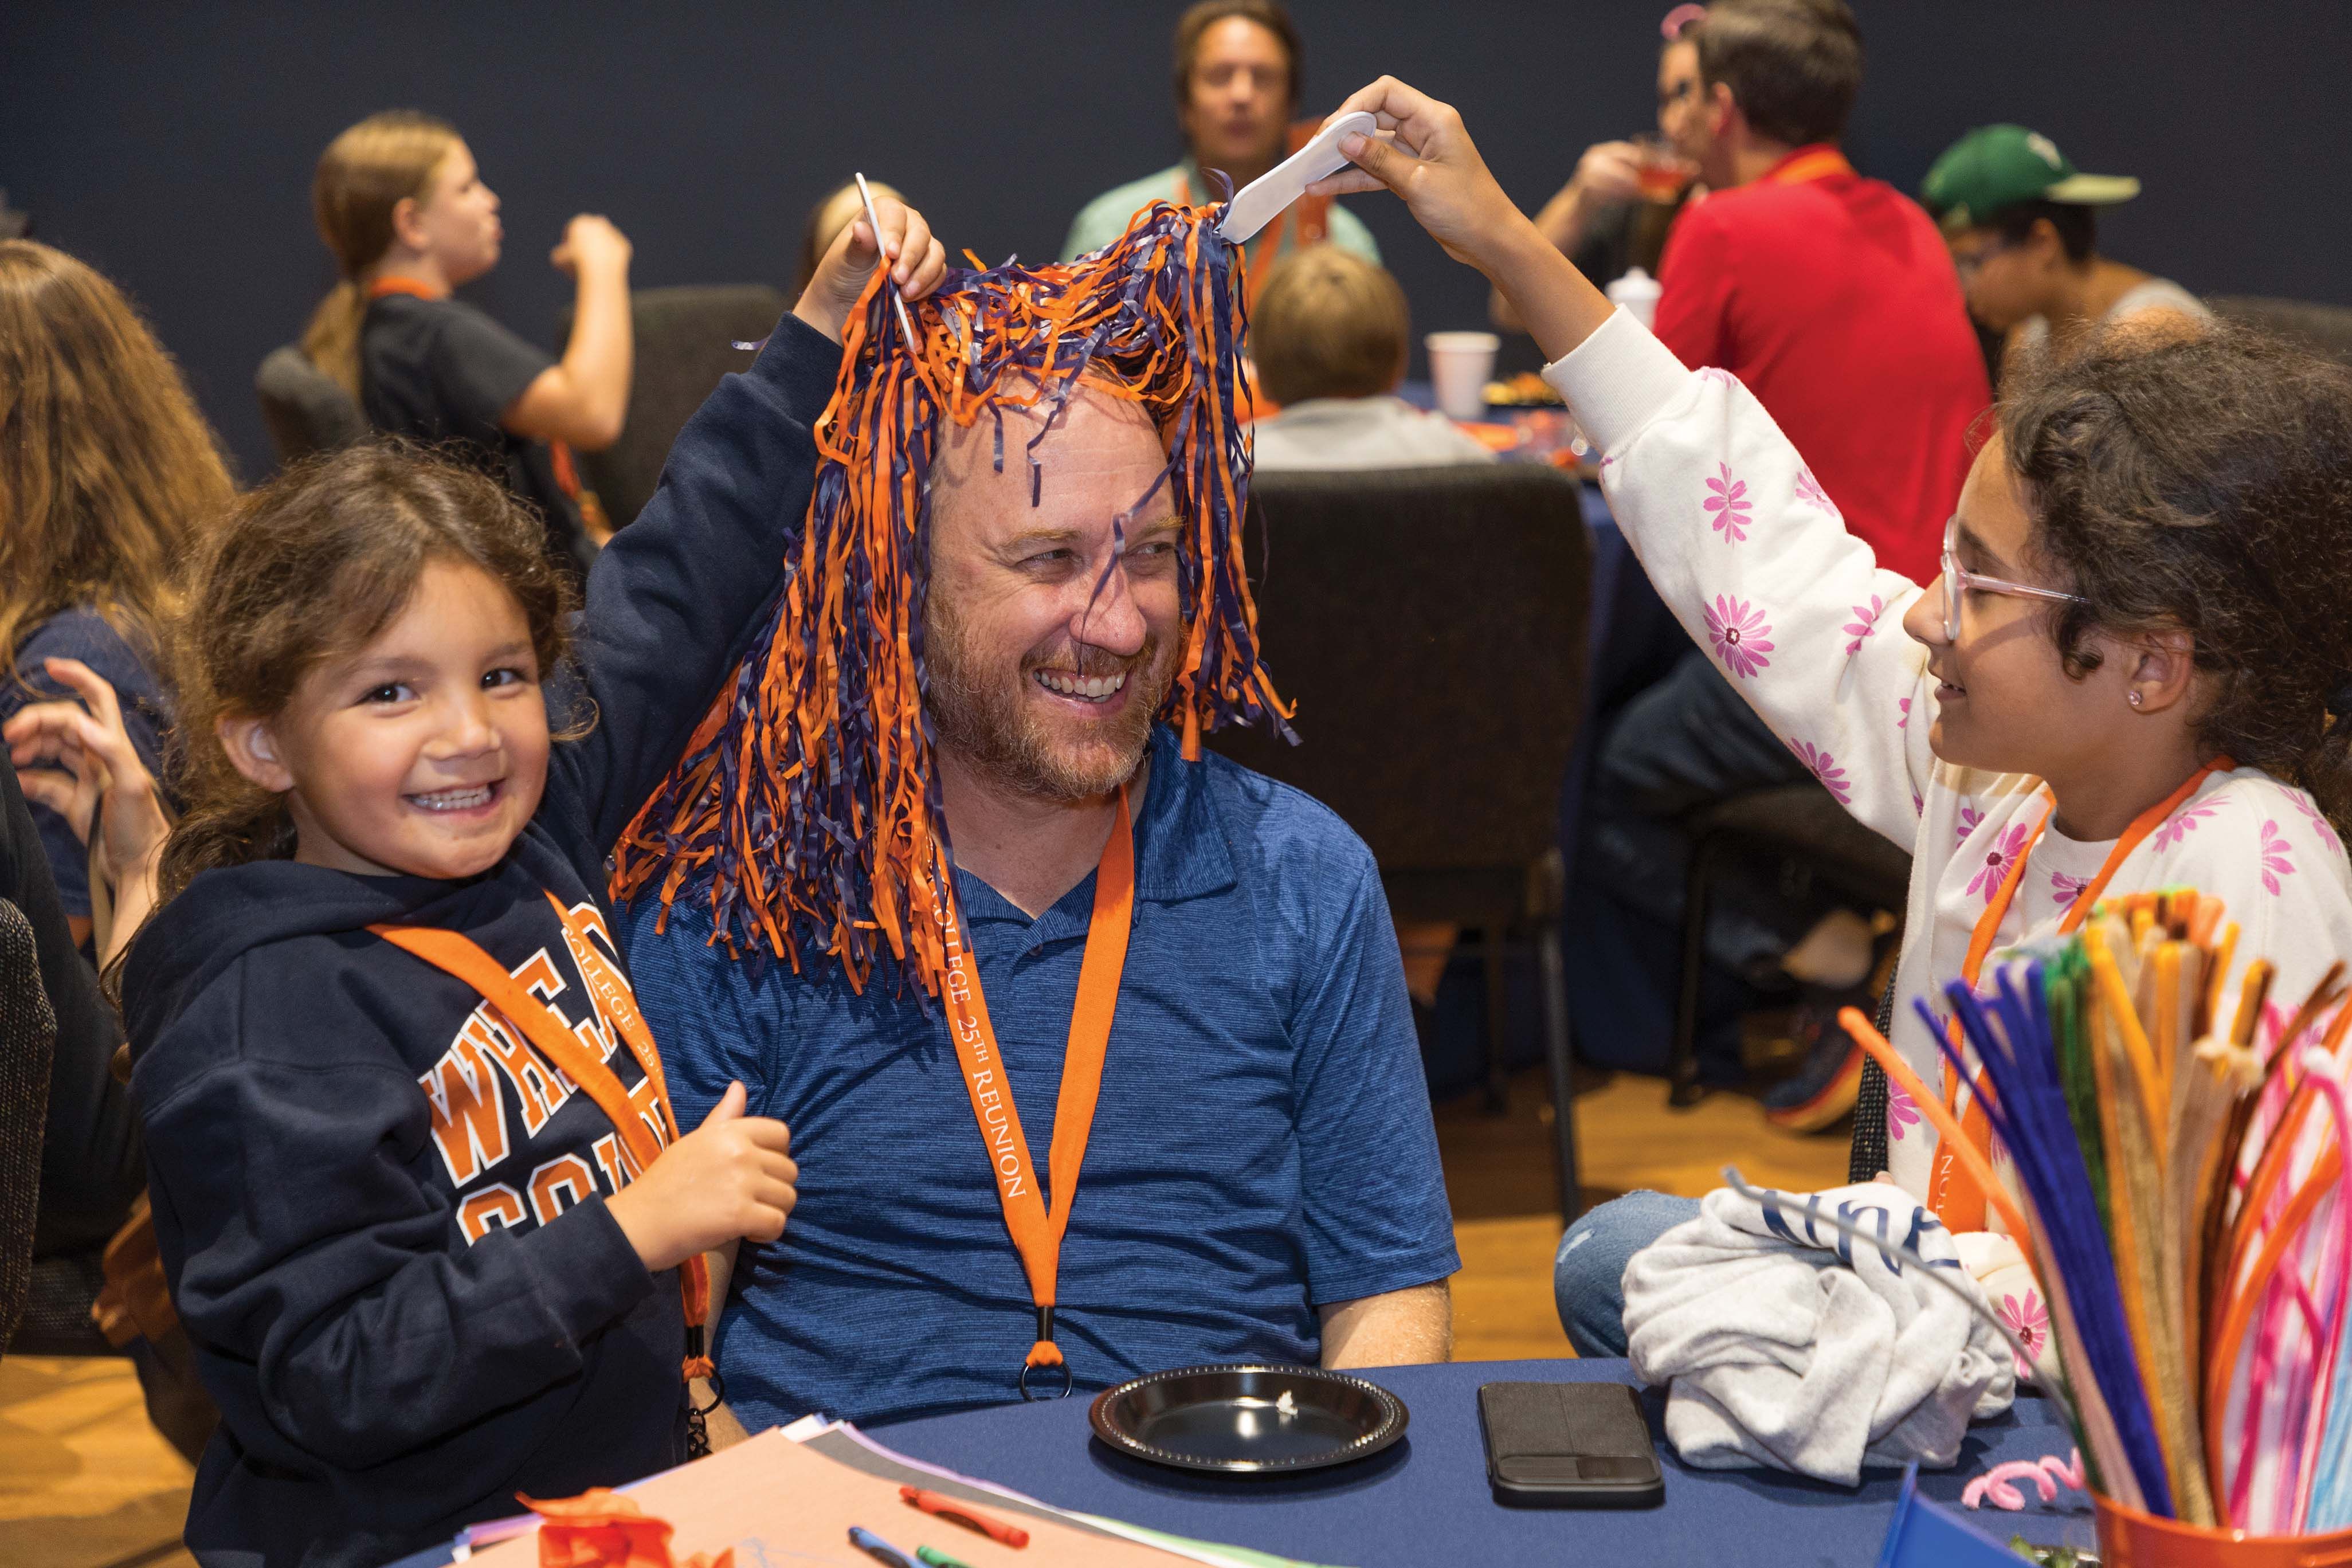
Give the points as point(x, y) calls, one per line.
point(583, 397)
point(672, 599)
point(1740, 541)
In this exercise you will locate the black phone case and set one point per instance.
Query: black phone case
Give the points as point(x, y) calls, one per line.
point(1569, 1444)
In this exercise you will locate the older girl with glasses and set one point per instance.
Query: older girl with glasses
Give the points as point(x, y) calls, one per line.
point(2134, 673)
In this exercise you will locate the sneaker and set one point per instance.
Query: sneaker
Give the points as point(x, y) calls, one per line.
point(1821, 1091)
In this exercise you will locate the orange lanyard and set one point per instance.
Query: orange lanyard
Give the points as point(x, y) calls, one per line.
point(1808, 164)
point(643, 1120)
point(382, 287)
point(1952, 1193)
point(1037, 1231)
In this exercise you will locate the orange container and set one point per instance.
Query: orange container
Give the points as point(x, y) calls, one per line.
point(2130, 1539)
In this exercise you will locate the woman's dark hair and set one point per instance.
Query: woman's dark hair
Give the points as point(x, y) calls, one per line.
point(1207, 14)
point(2077, 226)
point(310, 567)
point(1794, 66)
point(2201, 482)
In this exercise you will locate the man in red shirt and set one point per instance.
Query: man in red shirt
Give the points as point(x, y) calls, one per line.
point(1833, 298)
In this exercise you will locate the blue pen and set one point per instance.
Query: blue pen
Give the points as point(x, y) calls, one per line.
point(880, 1550)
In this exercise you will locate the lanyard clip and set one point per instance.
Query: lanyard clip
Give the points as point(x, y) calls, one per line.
point(1045, 1353)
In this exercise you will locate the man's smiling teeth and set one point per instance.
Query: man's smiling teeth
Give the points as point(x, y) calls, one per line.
point(1086, 688)
point(455, 799)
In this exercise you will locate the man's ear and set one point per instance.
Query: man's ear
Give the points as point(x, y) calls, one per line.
point(1722, 111)
point(253, 751)
point(2162, 671)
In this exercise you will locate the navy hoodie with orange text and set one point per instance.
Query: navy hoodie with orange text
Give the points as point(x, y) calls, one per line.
point(382, 1213)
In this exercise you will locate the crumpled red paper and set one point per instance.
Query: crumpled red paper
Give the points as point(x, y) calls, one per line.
point(601, 1529)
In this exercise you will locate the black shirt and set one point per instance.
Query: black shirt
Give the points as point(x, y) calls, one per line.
point(439, 371)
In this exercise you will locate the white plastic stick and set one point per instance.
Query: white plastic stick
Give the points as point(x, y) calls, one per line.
point(1263, 198)
point(874, 221)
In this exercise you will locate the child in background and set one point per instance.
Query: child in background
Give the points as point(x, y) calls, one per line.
point(403, 208)
point(1329, 335)
point(2134, 673)
point(401, 1111)
point(108, 475)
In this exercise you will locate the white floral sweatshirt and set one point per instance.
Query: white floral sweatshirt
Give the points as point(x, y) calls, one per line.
point(1753, 559)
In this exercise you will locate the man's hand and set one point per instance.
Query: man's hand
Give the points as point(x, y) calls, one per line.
point(1401, 1328)
point(730, 1178)
point(918, 263)
point(591, 244)
point(1609, 172)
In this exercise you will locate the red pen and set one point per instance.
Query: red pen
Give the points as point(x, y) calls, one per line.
point(949, 1509)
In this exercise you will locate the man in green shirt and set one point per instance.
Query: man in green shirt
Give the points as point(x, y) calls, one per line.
point(1237, 70)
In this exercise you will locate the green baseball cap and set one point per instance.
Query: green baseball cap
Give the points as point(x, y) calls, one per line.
point(1997, 166)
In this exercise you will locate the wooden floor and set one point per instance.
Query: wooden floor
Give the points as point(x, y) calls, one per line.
point(85, 1482)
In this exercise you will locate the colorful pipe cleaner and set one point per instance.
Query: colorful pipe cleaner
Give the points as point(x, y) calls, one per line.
point(805, 812)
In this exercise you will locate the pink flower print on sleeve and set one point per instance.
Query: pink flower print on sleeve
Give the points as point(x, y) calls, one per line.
point(1904, 706)
point(2275, 855)
point(2065, 890)
point(1998, 859)
point(1738, 631)
point(1918, 805)
point(2319, 823)
point(2178, 828)
point(1902, 1112)
point(1809, 488)
point(1966, 823)
point(1824, 768)
point(1728, 502)
point(2029, 1322)
point(1865, 622)
point(1717, 374)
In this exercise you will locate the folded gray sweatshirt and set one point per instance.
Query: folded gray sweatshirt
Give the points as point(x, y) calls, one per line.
point(1781, 1342)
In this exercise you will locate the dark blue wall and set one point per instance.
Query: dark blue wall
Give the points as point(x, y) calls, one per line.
point(171, 146)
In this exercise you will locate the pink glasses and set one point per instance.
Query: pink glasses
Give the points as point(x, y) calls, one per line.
point(1958, 579)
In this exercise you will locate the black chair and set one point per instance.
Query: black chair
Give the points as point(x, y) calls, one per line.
point(1430, 625)
point(307, 410)
point(685, 341)
point(28, 1034)
point(1804, 822)
point(2325, 330)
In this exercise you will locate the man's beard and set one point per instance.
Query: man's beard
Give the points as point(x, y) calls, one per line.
point(986, 717)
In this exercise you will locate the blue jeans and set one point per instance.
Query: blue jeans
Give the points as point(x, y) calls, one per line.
point(1587, 1278)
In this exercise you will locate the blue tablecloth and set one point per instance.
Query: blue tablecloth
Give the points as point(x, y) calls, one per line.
point(1426, 1501)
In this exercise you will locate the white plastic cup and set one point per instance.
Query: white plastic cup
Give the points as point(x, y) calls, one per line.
point(1460, 366)
point(1638, 293)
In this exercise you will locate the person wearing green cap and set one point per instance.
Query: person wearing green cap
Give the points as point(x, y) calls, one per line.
point(2021, 223)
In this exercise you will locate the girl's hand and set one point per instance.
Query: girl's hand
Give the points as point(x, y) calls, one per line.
point(918, 263)
point(76, 759)
point(1422, 152)
point(730, 1178)
point(1609, 172)
point(1424, 155)
point(591, 244)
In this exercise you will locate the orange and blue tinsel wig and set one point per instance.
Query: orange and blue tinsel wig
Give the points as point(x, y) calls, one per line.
point(805, 812)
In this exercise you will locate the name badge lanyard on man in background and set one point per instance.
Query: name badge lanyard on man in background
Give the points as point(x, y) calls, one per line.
point(1037, 1230)
point(1951, 1194)
point(455, 953)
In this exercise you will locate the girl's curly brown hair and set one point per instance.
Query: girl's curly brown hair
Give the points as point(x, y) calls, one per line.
point(311, 566)
point(2201, 481)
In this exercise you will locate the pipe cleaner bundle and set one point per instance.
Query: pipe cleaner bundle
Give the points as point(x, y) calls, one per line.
point(806, 811)
point(2185, 1205)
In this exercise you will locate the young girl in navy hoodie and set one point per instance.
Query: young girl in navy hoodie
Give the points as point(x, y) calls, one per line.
point(402, 1112)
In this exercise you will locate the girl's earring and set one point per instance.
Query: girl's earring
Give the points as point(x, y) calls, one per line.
point(2132, 698)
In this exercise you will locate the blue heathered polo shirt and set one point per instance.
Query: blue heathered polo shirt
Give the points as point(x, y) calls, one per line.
point(1262, 1144)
